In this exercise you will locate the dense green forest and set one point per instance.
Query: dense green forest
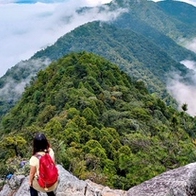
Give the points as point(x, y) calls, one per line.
point(103, 124)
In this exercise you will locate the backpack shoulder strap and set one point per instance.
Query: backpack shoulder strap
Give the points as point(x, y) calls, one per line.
point(38, 155)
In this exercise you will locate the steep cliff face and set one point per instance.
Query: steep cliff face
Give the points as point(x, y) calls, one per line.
point(69, 185)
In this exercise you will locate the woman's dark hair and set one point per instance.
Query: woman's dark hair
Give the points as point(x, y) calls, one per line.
point(40, 143)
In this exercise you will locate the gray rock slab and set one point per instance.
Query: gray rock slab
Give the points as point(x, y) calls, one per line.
point(176, 182)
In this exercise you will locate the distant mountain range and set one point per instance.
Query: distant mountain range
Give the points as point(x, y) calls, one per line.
point(145, 41)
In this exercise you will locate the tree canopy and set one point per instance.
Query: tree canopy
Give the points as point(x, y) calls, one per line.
point(102, 124)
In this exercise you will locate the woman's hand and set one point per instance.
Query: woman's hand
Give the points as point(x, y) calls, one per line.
point(30, 183)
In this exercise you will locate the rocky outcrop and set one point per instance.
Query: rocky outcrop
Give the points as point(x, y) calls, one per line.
point(68, 185)
point(176, 182)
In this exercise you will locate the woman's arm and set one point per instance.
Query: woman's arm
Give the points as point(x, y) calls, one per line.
point(51, 153)
point(31, 174)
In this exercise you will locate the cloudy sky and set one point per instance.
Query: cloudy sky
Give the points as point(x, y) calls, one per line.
point(184, 93)
point(30, 25)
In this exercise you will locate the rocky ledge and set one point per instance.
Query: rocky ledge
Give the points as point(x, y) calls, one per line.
point(176, 182)
point(68, 185)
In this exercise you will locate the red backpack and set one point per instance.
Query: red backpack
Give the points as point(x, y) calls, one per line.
point(48, 172)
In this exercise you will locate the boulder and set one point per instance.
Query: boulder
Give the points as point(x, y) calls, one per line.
point(176, 182)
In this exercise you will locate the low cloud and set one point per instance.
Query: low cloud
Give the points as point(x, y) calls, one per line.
point(14, 86)
point(27, 28)
point(191, 45)
point(184, 93)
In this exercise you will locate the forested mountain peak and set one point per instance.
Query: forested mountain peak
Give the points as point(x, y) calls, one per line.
point(102, 124)
point(83, 70)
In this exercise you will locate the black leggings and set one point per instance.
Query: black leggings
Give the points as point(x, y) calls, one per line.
point(34, 192)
